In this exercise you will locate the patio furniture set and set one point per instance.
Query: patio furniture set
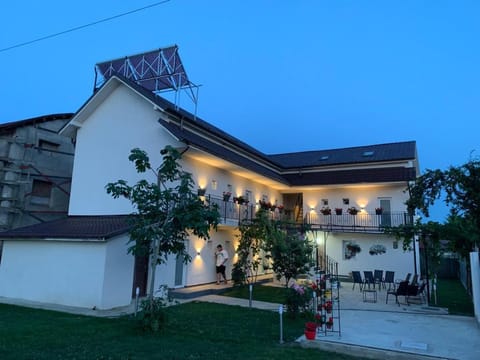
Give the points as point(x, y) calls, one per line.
point(371, 279)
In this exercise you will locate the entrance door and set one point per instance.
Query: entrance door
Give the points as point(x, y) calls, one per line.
point(386, 217)
point(140, 275)
point(179, 271)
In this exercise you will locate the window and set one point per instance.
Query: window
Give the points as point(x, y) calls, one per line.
point(47, 145)
point(41, 192)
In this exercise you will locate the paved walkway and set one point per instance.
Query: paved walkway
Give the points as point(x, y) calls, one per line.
point(379, 330)
point(368, 330)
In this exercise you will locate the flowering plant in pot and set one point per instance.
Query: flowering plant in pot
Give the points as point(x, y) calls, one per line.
point(226, 195)
point(329, 322)
point(352, 210)
point(326, 210)
point(378, 211)
point(328, 306)
point(240, 200)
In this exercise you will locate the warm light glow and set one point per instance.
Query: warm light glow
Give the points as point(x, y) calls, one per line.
point(202, 182)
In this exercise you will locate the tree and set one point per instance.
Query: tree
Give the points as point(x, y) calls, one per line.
point(280, 241)
point(291, 254)
point(461, 186)
point(166, 211)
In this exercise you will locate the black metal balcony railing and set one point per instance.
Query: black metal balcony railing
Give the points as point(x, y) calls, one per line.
point(232, 214)
point(361, 222)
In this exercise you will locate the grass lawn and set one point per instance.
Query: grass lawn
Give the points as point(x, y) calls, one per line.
point(273, 294)
point(452, 295)
point(195, 331)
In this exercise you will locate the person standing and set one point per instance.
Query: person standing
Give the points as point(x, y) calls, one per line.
point(221, 257)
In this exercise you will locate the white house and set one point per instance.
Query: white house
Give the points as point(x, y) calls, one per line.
point(83, 261)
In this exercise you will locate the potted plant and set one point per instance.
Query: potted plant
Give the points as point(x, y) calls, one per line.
point(377, 249)
point(338, 211)
point(326, 210)
point(328, 306)
point(352, 210)
point(226, 195)
point(378, 211)
point(329, 322)
point(240, 200)
point(310, 330)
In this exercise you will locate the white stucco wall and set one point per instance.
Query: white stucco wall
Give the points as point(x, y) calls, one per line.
point(77, 274)
point(53, 272)
point(118, 278)
point(396, 260)
point(122, 122)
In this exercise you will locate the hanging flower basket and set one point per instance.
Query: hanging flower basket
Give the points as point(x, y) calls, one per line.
point(377, 249)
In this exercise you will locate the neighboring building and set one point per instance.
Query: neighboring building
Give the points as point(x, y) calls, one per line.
point(35, 171)
point(83, 261)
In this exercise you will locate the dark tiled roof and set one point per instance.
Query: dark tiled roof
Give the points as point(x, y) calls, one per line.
point(352, 155)
point(35, 120)
point(334, 177)
point(73, 227)
point(222, 152)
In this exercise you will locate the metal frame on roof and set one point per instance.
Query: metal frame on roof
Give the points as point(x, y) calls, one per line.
point(158, 70)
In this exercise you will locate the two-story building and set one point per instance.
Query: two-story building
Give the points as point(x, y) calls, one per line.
point(83, 261)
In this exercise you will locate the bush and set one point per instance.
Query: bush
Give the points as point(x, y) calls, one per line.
point(299, 301)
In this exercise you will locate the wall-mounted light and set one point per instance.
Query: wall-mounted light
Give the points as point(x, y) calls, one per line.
point(312, 208)
point(198, 253)
point(346, 201)
point(214, 184)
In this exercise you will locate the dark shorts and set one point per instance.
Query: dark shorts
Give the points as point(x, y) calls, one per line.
point(221, 269)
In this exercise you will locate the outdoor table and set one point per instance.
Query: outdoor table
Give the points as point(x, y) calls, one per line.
point(369, 298)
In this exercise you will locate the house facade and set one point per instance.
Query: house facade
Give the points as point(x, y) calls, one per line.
point(301, 187)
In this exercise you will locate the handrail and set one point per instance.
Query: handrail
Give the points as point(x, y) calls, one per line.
point(360, 222)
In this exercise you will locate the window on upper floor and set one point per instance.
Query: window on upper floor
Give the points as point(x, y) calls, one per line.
point(41, 192)
point(47, 145)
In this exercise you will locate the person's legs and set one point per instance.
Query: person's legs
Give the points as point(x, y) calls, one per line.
point(223, 273)
point(219, 274)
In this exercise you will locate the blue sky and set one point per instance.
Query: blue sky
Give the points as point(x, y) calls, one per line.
point(282, 76)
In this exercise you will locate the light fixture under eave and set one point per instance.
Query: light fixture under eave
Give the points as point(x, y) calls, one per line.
point(214, 184)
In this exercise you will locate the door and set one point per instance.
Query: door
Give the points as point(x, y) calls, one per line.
point(140, 275)
point(179, 271)
point(386, 217)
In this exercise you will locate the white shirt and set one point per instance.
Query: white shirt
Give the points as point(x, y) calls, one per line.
point(222, 256)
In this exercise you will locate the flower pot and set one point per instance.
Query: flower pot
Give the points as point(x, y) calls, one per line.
point(378, 211)
point(201, 192)
point(338, 211)
point(226, 197)
point(310, 335)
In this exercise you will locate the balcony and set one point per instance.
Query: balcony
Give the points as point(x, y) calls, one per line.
point(232, 213)
point(361, 222)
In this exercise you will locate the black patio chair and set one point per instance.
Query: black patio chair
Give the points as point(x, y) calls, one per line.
point(407, 278)
point(389, 279)
point(414, 280)
point(401, 290)
point(378, 278)
point(416, 291)
point(357, 279)
point(369, 279)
